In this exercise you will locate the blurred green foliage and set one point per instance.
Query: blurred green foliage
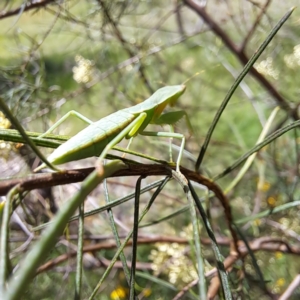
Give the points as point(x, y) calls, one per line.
point(146, 45)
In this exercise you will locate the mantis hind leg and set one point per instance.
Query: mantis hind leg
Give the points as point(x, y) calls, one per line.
point(170, 135)
point(128, 146)
point(171, 118)
point(171, 143)
point(66, 116)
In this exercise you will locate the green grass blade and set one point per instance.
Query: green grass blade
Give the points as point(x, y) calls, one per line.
point(27, 269)
point(215, 247)
point(135, 237)
point(19, 127)
point(267, 141)
point(120, 249)
point(119, 201)
point(4, 251)
point(251, 158)
point(268, 212)
point(170, 216)
point(116, 234)
point(107, 206)
point(50, 141)
point(238, 80)
point(78, 280)
point(196, 234)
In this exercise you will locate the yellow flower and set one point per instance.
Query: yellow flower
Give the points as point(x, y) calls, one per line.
point(280, 282)
point(118, 293)
point(271, 201)
point(147, 292)
point(264, 186)
point(4, 123)
point(257, 222)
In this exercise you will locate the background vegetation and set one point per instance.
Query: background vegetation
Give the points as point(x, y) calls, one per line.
point(98, 57)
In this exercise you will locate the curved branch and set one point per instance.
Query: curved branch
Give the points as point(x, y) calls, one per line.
point(242, 57)
point(42, 180)
point(29, 6)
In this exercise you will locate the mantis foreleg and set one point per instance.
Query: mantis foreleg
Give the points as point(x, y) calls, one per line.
point(132, 127)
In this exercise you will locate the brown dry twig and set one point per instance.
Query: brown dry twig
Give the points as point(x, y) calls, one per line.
point(260, 244)
point(51, 179)
point(35, 4)
point(238, 51)
point(124, 43)
point(291, 288)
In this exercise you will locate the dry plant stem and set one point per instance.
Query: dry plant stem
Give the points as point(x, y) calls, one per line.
point(71, 176)
point(125, 44)
point(183, 182)
point(43, 180)
point(261, 244)
point(52, 179)
point(25, 7)
point(254, 26)
point(291, 288)
point(240, 54)
point(47, 180)
point(185, 289)
point(27, 269)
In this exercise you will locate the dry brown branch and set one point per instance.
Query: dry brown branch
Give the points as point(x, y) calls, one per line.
point(124, 43)
point(108, 245)
point(254, 26)
point(242, 57)
point(259, 244)
point(25, 7)
point(52, 179)
point(41, 180)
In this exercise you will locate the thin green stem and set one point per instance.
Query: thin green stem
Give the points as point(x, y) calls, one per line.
point(116, 234)
point(268, 212)
point(111, 204)
point(19, 127)
point(4, 251)
point(27, 269)
point(196, 234)
point(219, 258)
point(267, 141)
point(78, 279)
point(120, 249)
point(238, 80)
point(135, 237)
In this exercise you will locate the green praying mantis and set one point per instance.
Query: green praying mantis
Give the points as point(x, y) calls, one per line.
point(100, 137)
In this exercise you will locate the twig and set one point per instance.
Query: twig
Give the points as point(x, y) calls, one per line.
point(240, 54)
point(29, 6)
point(291, 288)
point(125, 44)
point(255, 24)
